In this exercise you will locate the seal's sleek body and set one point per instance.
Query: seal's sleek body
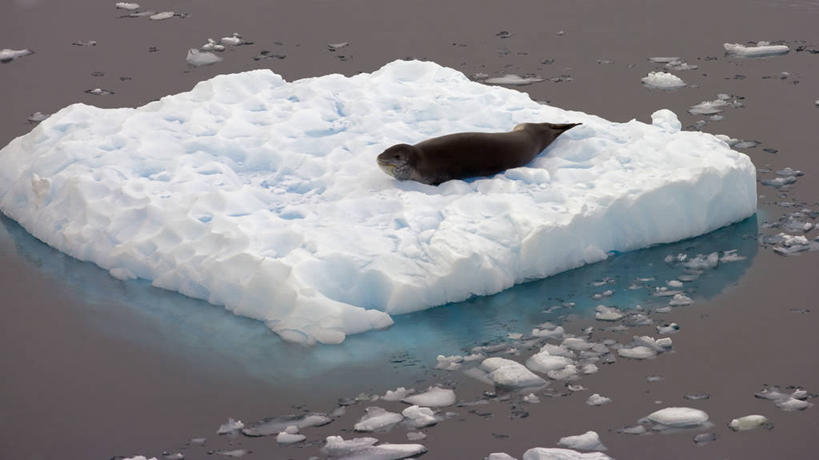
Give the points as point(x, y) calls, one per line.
point(463, 155)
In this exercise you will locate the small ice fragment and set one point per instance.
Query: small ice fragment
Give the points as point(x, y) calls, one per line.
point(336, 46)
point(290, 435)
point(37, 117)
point(680, 65)
point(663, 59)
point(704, 438)
point(126, 6)
point(605, 313)
point(779, 181)
point(85, 43)
point(161, 16)
point(199, 58)
point(600, 295)
point(365, 448)
point(378, 419)
point(731, 256)
point(8, 55)
point(544, 362)
point(597, 400)
point(508, 373)
point(174, 456)
point(589, 440)
point(789, 172)
point(637, 352)
point(433, 397)
point(211, 45)
point(449, 363)
point(500, 456)
point(230, 427)
point(634, 429)
point(746, 144)
point(542, 453)
point(272, 425)
point(708, 107)
point(397, 394)
point(235, 453)
point(514, 336)
point(575, 388)
point(662, 80)
point(233, 40)
point(555, 332)
point(513, 80)
point(198, 441)
point(668, 328)
point(576, 343)
point(697, 396)
point(680, 300)
point(566, 373)
point(589, 368)
point(531, 398)
point(750, 422)
point(793, 404)
point(419, 417)
point(761, 50)
point(99, 92)
point(416, 436)
point(678, 417)
point(674, 283)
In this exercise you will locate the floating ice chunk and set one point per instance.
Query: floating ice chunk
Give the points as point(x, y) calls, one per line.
point(600, 295)
point(233, 453)
point(678, 417)
point(416, 435)
point(397, 394)
point(779, 181)
point(37, 117)
point(680, 300)
point(433, 397)
point(85, 43)
point(365, 449)
point(658, 345)
point(211, 45)
point(702, 262)
point(419, 417)
point(750, 422)
point(514, 336)
point(664, 59)
point(337, 46)
point(662, 80)
point(789, 172)
point(500, 456)
point(127, 6)
point(637, 352)
point(793, 404)
point(680, 65)
point(674, 283)
point(139, 457)
point(708, 107)
point(555, 332)
point(589, 440)
point(544, 361)
point(531, 398)
point(233, 40)
point(161, 16)
point(290, 435)
point(666, 329)
point(378, 419)
point(99, 92)
point(566, 373)
point(508, 373)
point(8, 55)
point(704, 438)
point(793, 401)
point(449, 363)
point(760, 50)
point(605, 313)
point(278, 255)
point(542, 453)
point(273, 425)
point(513, 80)
point(731, 256)
point(230, 427)
point(589, 368)
point(576, 343)
point(597, 400)
point(199, 58)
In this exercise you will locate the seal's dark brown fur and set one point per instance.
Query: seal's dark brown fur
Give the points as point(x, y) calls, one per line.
point(464, 155)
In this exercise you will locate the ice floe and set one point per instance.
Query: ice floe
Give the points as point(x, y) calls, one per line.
point(589, 440)
point(127, 6)
point(397, 394)
point(701, 439)
point(419, 417)
point(662, 80)
point(273, 425)
point(8, 55)
point(290, 435)
point(37, 117)
point(378, 419)
point(597, 400)
point(513, 80)
point(433, 397)
point(788, 401)
point(604, 313)
point(263, 195)
point(231, 426)
point(544, 361)
point(161, 16)
point(761, 49)
point(543, 453)
point(750, 422)
point(366, 448)
point(199, 58)
point(211, 45)
point(499, 456)
point(677, 417)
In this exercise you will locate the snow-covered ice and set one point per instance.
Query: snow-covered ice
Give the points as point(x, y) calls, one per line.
point(663, 80)
point(543, 453)
point(433, 397)
point(761, 49)
point(263, 195)
point(589, 440)
point(419, 417)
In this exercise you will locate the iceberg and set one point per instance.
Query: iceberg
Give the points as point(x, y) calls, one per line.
point(264, 196)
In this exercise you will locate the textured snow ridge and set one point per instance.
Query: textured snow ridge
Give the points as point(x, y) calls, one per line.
point(264, 195)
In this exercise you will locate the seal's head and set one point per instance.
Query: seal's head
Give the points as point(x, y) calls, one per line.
point(399, 161)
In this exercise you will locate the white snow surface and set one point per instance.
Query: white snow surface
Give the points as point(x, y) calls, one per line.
point(264, 195)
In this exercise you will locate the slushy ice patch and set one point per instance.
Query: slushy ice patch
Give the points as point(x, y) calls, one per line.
point(264, 196)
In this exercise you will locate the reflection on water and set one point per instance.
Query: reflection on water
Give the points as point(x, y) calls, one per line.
point(198, 330)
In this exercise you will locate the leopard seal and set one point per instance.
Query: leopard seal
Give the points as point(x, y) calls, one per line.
point(464, 155)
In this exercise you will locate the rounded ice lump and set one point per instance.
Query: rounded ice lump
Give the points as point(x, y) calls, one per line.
point(264, 196)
